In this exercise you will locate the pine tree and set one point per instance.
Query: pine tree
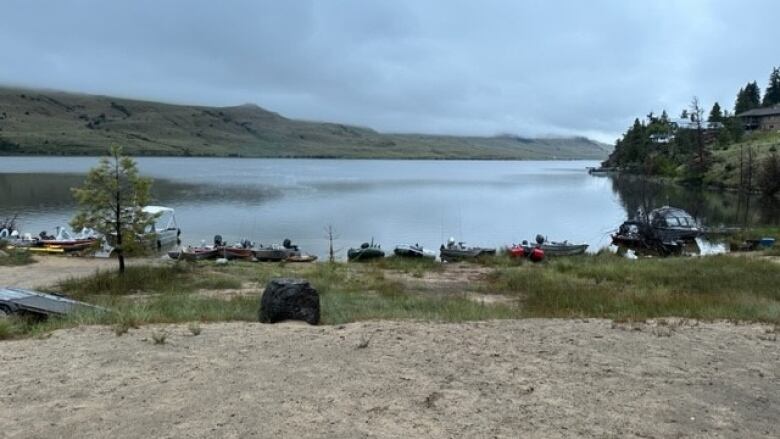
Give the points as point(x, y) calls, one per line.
point(772, 96)
point(111, 202)
point(753, 95)
point(740, 105)
point(748, 98)
point(716, 115)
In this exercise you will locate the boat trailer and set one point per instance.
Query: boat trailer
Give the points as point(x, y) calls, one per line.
point(22, 301)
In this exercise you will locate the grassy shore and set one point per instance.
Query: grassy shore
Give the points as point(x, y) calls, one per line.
point(604, 285)
point(11, 257)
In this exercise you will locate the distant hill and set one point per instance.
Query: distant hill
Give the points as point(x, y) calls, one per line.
point(58, 123)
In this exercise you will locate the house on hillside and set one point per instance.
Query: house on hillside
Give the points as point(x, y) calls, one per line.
point(709, 129)
point(687, 124)
point(764, 119)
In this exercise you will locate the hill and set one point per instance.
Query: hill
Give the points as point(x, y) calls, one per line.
point(59, 123)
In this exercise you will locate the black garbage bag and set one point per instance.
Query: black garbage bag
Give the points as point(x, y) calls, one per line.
point(289, 299)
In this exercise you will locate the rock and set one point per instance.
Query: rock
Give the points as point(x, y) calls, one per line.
point(289, 299)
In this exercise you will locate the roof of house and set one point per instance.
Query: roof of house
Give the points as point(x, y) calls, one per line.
point(768, 111)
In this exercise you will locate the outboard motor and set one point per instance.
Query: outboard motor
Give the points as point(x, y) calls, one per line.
point(539, 239)
point(218, 242)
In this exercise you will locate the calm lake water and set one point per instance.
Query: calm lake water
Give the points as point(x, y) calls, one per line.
point(487, 203)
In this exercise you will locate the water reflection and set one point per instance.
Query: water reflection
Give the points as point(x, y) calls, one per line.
point(710, 208)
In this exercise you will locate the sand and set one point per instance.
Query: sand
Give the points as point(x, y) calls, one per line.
point(507, 379)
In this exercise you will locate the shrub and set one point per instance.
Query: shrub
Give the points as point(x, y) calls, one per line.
point(769, 175)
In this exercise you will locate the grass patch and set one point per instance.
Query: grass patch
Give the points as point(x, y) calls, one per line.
point(602, 285)
point(164, 279)
point(716, 287)
point(12, 327)
point(416, 267)
point(15, 257)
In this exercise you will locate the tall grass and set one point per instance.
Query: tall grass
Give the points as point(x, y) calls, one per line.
point(600, 285)
point(609, 286)
point(15, 257)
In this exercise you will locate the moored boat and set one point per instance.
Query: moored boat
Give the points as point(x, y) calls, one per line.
point(526, 250)
point(68, 241)
point(365, 252)
point(240, 250)
point(198, 253)
point(276, 252)
point(164, 232)
point(235, 252)
point(459, 251)
point(672, 224)
point(565, 248)
point(413, 251)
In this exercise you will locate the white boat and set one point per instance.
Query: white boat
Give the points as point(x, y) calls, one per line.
point(164, 231)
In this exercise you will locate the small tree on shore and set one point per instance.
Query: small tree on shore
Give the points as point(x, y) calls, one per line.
point(111, 201)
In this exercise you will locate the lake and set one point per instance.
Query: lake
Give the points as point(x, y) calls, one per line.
point(488, 203)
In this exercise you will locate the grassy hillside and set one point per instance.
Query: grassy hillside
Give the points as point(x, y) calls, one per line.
point(49, 122)
point(725, 170)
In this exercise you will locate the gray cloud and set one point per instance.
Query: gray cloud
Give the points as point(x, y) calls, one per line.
point(456, 67)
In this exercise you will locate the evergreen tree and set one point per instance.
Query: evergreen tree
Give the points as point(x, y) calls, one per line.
point(748, 98)
point(740, 105)
point(111, 202)
point(684, 114)
point(772, 96)
point(753, 95)
point(716, 115)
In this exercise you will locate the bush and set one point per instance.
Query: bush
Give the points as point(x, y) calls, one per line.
point(769, 175)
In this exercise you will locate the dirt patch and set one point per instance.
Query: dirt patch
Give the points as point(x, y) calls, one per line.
point(247, 289)
point(491, 299)
point(506, 379)
point(459, 279)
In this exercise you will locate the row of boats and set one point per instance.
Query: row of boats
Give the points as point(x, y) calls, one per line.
point(245, 250)
point(454, 251)
point(664, 230)
point(163, 232)
point(450, 252)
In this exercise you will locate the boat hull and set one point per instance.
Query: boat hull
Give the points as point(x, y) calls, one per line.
point(273, 254)
point(364, 254)
point(236, 253)
point(556, 249)
point(198, 254)
point(405, 251)
point(69, 245)
point(453, 255)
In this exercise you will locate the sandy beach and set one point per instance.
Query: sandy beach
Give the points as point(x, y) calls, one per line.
point(526, 378)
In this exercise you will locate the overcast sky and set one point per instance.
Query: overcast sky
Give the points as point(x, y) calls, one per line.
point(453, 67)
